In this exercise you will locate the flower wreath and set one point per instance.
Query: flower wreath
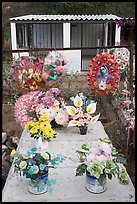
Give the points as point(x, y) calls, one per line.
point(103, 74)
point(122, 56)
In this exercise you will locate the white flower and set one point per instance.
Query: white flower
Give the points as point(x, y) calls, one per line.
point(94, 119)
point(102, 85)
point(91, 108)
point(106, 148)
point(78, 101)
point(23, 165)
point(45, 156)
point(73, 123)
point(101, 158)
point(95, 150)
point(71, 110)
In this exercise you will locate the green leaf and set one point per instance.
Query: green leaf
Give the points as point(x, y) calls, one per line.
point(121, 159)
point(85, 146)
point(80, 170)
point(101, 178)
point(110, 176)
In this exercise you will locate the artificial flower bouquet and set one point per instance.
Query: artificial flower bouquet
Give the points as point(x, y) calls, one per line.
point(101, 160)
point(33, 73)
point(41, 127)
point(81, 112)
point(26, 72)
point(34, 164)
point(35, 103)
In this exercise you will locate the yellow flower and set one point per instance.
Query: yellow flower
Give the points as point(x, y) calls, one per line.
point(29, 124)
point(49, 132)
point(25, 156)
point(37, 75)
point(34, 130)
point(23, 165)
point(13, 152)
point(30, 70)
point(44, 117)
point(44, 124)
point(20, 77)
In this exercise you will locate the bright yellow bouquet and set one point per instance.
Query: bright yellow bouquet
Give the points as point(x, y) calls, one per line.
point(41, 128)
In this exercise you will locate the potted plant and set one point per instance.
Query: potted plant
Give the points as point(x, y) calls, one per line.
point(99, 162)
point(41, 130)
point(35, 165)
point(81, 113)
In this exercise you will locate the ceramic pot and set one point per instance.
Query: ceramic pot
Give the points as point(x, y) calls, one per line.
point(93, 185)
point(83, 130)
point(38, 186)
point(41, 144)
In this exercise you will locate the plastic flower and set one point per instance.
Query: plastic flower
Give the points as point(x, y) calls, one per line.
point(41, 128)
point(100, 160)
point(45, 155)
point(109, 166)
point(73, 123)
point(71, 110)
point(78, 112)
point(23, 165)
point(78, 101)
point(91, 108)
point(33, 170)
point(13, 152)
point(49, 132)
point(95, 169)
point(94, 119)
point(61, 118)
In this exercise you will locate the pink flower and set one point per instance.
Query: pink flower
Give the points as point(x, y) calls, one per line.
point(129, 111)
point(132, 122)
point(125, 92)
point(95, 150)
point(127, 102)
point(62, 118)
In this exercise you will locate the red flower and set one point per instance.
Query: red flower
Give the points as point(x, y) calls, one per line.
point(112, 78)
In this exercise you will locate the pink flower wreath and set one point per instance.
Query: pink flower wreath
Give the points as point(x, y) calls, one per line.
point(103, 84)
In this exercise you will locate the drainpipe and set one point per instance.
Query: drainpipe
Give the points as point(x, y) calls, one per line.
point(117, 35)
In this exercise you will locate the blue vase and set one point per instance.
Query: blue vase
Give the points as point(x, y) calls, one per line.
point(38, 186)
point(93, 185)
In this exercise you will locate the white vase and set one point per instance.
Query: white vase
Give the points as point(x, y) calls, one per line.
point(41, 144)
point(93, 185)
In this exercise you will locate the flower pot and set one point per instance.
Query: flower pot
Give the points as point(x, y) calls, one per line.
point(38, 186)
point(83, 130)
point(41, 144)
point(93, 185)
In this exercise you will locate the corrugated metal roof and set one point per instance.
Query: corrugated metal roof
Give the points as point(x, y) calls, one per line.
point(65, 17)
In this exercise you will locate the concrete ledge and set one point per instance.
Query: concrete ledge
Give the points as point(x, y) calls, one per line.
point(68, 187)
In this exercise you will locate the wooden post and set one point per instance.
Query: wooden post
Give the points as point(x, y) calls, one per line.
point(131, 71)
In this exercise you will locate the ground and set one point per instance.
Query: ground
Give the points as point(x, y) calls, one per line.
point(113, 126)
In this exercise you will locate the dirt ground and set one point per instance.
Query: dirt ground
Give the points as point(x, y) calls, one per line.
point(113, 126)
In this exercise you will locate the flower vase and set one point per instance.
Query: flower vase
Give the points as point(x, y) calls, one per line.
point(38, 186)
point(41, 144)
point(83, 130)
point(93, 185)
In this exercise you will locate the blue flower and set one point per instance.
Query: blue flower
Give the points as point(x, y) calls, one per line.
point(41, 166)
point(33, 170)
